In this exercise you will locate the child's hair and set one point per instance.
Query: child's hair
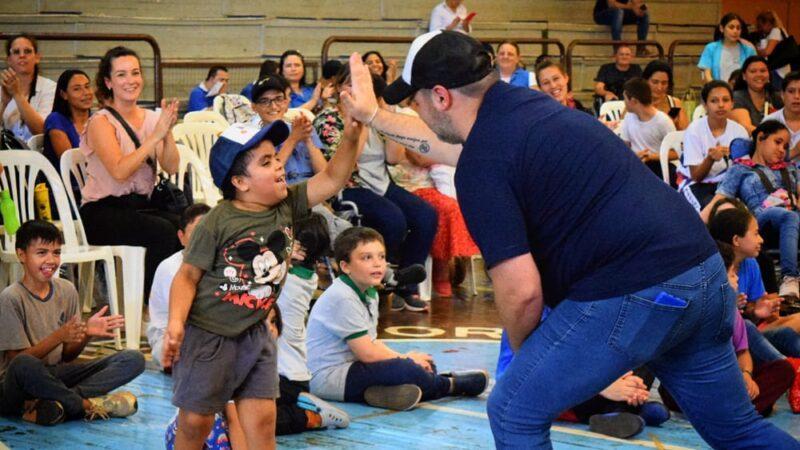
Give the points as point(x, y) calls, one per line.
point(278, 318)
point(711, 85)
point(726, 224)
point(238, 168)
point(725, 20)
point(312, 233)
point(40, 230)
point(351, 238)
point(639, 89)
point(789, 78)
point(727, 253)
point(764, 130)
point(192, 212)
point(725, 200)
point(104, 71)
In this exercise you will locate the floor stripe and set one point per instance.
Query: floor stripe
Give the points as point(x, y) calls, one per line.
point(655, 444)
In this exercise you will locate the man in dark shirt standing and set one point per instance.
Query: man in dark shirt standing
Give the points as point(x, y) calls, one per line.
point(612, 76)
point(625, 262)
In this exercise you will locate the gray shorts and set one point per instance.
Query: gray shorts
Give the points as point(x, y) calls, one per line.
point(214, 369)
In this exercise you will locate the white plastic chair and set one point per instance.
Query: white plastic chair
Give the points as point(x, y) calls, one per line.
point(199, 137)
point(206, 117)
point(699, 111)
point(73, 164)
point(612, 111)
point(203, 189)
point(672, 141)
point(22, 167)
point(36, 142)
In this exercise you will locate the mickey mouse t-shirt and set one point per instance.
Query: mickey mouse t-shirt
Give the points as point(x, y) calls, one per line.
point(245, 257)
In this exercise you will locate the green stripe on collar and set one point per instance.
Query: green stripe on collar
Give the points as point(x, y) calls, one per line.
point(302, 272)
point(370, 294)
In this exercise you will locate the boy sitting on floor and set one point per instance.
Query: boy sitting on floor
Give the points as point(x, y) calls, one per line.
point(41, 332)
point(347, 361)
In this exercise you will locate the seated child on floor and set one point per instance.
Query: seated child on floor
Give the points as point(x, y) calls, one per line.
point(297, 411)
point(42, 333)
point(162, 281)
point(346, 360)
point(765, 383)
point(217, 339)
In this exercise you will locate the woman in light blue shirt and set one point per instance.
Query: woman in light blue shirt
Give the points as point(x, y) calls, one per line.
point(721, 57)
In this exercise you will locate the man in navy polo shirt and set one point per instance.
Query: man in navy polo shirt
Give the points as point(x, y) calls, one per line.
point(625, 262)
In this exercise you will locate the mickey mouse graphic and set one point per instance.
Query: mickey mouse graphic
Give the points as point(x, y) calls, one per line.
point(255, 288)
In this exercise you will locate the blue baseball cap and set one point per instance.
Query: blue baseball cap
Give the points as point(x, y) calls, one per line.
point(239, 138)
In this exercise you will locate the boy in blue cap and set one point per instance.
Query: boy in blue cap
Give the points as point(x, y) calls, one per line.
point(217, 340)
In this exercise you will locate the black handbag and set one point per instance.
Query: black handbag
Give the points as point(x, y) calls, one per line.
point(785, 53)
point(166, 196)
point(10, 142)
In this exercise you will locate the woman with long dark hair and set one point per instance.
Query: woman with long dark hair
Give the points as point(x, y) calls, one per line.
point(123, 145)
point(292, 67)
point(71, 107)
point(727, 52)
point(659, 76)
point(753, 96)
point(25, 96)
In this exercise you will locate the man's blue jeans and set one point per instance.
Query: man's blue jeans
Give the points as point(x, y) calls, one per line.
point(787, 224)
point(785, 339)
point(615, 18)
point(585, 345)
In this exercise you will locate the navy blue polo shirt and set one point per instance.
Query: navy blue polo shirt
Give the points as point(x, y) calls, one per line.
point(537, 177)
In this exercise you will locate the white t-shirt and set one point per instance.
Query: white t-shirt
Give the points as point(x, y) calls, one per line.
point(775, 35)
point(159, 293)
point(42, 102)
point(698, 139)
point(729, 61)
point(794, 135)
point(646, 135)
point(442, 17)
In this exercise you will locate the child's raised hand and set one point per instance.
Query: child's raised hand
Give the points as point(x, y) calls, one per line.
point(100, 325)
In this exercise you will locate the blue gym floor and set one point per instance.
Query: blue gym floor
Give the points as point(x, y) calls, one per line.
point(446, 423)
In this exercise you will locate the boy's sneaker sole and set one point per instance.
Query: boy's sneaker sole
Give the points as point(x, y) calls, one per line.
point(619, 425)
point(44, 412)
point(414, 304)
point(397, 398)
point(331, 415)
point(398, 303)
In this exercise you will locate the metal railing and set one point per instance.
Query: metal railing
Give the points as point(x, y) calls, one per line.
point(545, 42)
point(158, 87)
point(671, 53)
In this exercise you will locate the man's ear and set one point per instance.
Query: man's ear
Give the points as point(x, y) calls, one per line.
point(441, 98)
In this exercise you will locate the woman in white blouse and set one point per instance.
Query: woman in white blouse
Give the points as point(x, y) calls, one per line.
point(25, 97)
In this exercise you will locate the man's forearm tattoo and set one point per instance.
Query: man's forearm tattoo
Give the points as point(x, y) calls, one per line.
point(420, 145)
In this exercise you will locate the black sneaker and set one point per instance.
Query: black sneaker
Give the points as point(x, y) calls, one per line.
point(413, 303)
point(398, 398)
point(44, 412)
point(619, 425)
point(470, 383)
point(398, 303)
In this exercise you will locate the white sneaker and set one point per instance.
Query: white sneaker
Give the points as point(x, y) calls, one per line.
point(789, 287)
point(331, 415)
